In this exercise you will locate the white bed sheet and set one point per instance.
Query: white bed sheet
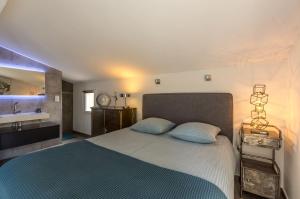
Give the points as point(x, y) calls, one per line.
point(212, 162)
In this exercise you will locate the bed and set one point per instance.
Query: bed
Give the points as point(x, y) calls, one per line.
point(129, 164)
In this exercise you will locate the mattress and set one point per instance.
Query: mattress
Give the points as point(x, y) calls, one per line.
point(212, 162)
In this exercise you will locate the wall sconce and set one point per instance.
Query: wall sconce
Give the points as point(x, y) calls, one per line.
point(125, 96)
point(207, 77)
point(259, 99)
point(157, 81)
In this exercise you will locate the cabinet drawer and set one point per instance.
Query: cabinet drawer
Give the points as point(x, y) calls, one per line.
point(260, 183)
point(260, 141)
point(98, 127)
point(113, 120)
point(28, 136)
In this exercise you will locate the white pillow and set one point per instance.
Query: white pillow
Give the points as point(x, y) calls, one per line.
point(196, 132)
point(153, 125)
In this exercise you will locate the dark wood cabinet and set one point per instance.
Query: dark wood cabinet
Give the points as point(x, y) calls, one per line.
point(105, 120)
point(10, 137)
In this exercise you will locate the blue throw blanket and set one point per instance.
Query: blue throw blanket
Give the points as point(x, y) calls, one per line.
point(85, 170)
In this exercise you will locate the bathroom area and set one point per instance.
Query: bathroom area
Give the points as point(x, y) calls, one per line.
point(30, 105)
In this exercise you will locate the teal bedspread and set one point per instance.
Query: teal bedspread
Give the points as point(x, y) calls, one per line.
point(85, 170)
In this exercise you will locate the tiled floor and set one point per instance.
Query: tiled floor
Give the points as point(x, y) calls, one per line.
point(77, 137)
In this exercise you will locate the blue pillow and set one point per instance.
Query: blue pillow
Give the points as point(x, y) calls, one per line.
point(196, 132)
point(153, 125)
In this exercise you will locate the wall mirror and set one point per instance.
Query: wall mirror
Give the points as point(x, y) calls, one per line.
point(21, 82)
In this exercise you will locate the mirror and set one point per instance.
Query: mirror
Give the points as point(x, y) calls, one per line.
point(21, 82)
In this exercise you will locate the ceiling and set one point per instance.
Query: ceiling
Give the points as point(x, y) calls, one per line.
point(104, 39)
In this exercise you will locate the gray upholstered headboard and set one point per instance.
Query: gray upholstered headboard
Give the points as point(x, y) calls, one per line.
point(211, 108)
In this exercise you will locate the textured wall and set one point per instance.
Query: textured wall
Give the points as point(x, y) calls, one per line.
point(292, 135)
point(53, 85)
point(54, 88)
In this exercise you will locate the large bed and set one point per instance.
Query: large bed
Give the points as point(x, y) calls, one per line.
point(130, 164)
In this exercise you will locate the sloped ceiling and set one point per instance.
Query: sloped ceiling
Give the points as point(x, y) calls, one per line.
point(102, 39)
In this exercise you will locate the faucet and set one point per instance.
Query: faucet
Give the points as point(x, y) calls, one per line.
point(15, 107)
point(17, 125)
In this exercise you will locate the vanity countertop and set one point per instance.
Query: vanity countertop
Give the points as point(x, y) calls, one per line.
point(20, 117)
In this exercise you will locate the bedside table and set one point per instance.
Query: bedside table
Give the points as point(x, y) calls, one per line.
point(260, 175)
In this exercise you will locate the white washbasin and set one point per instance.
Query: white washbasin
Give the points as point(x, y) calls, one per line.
point(20, 117)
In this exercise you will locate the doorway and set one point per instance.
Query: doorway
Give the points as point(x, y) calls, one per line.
point(67, 109)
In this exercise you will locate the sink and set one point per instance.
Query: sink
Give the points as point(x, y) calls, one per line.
point(20, 117)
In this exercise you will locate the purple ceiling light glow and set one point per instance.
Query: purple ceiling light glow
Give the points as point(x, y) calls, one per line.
point(23, 55)
point(27, 68)
point(20, 97)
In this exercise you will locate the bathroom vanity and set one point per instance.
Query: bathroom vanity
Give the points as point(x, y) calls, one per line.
point(24, 125)
point(23, 117)
point(31, 133)
point(19, 135)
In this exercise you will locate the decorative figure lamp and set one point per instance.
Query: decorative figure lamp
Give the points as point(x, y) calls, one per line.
point(4, 87)
point(125, 96)
point(259, 99)
point(115, 97)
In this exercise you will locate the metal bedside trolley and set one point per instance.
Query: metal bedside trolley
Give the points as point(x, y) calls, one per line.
point(260, 175)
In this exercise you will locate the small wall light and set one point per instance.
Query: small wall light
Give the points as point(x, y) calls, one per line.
point(259, 99)
point(207, 77)
point(157, 81)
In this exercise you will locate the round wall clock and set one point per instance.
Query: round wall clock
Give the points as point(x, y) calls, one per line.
point(103, 99)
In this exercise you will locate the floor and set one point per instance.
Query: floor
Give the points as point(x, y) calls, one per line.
point(3, 161)
point(236, 187)
point(76, 137)
point(245, 195)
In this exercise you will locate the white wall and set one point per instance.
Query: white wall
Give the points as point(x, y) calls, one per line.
point(237, 80)
point(292, 140)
